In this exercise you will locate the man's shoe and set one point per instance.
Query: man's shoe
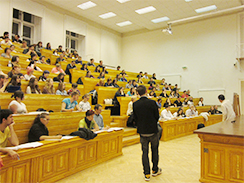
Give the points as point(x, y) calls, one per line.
point(154, 173)
point(147, 177)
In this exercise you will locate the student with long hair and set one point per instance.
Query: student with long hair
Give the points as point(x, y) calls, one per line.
point(61, 89)
point(16, 105)
point(179, 113)
point(88, 74)
point(39, 130)
point(14, 61)
point(48, 47)
point(59, 78)
point(6, 53)
point(101, 76)
point(14, 84)
point(116, 108)
point(97, 69)
point(84, 67)
point(115, 83)
point(48, 88)
point(100, 83)
point(33, 87)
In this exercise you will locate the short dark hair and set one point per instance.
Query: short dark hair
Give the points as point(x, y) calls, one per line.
point(90, 112)
point(18, 94)
point(221, 97)
point(74, 85)
point(166, 106)
point(6, 49)
point(5, 33)
point(5, 113)
point(2, 76)
point(97, 106)
point(14, 58)
point(141, 90)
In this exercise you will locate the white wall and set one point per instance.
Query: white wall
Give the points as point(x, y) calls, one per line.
point(207, 48)
point(54, 27)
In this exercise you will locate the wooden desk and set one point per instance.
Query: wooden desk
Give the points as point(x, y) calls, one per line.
point(222, 152)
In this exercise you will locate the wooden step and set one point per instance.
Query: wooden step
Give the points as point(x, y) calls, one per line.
point(114, 124)
point(129, 131)
point(130, 140)
point(120, 119)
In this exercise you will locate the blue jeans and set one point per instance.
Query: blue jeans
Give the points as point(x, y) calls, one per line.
point(154, 140)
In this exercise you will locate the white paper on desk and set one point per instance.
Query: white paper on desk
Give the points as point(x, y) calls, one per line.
point(53, 139)
point(67, 137)
point(100, 131)
point(25, 146)
point(114, 129)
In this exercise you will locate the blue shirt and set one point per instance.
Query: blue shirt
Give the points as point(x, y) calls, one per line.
point(69, 105)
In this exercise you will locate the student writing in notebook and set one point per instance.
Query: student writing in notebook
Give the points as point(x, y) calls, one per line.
point(7, 133)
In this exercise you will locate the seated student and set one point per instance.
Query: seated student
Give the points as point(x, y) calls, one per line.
point(190, 101)
point(85, 104)
point(17, 106)
point(139, 75)
point(170, 87)
point(17, 39)
point(33, 63)
point(188, 92)
point(8, 133)
point(151, 82)
point(98, 118)
point(116, 108)
point(132, 92)
point(44, 75)
point(29, 74)
point(48, 88)
point(129, 84)
point(39, 130)
point(115, 83)
point(60, 59)
point(175, 88)
point(211, 111)
point(177, 93)
point(131, 122)
point(139, 81)
point(14, 61)
point(30, 50)
point(216, 110)
point(6, 53)
point(5, 34)
point(14, 84)
point(61, 89)
point(164, 94)
point(57, 69)
point(163, 82)
point(69, 104)
point(179, 114)
point(172, 94)
point(123, 78)
point(38, 48)
point(97, 69)
point(154, 76)
point(168, 102)
point(24, 45)
point(105, 70)
point(123, 72)
point(152, 86)
point(48, 47)
point(3, 83)
point(158, 87)
point(33, 87)
point(6, 41)
point(178, 103)
point(200, 103)
point(42, 60)
point(74, 88)
point(59, 78)
point(166, 114)
point(145, 76)
point(166, 87)
point(185, 102)
point(12, 48)
point(55, 52)
point(60, 48)
point(101, 76)
point(88, 74)
point(192, 111)
point(109, 83)
point(159, 103)
point(84, 67)
point(68, 68)
point(101, 64)
point(88, 122)
point(118, 68)
point(134, 84)
point(79, 60)
point(91, 63)
point(100, 83)
point(184, 95)
point(151, 94)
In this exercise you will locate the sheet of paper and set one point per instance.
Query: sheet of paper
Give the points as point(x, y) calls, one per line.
point(67, 137)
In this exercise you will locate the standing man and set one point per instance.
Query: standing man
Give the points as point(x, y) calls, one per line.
point(227, 109)
point(7, 133)
point(99, 118)
point(146, 116)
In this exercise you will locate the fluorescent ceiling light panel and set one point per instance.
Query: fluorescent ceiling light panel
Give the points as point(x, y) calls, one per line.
point(86, 5)
point(121, 24)
point(122, 1)
point(188, 0)
point(208, 8)
point(107, 15)
point(145, 10)
point(162, 19)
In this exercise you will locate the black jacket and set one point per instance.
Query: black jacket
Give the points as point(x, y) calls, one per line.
point(146, 115)
point(84, 133)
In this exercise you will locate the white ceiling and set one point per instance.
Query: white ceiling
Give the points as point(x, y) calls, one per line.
point(174, 9)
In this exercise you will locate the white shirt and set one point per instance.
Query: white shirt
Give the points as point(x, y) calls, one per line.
point(189, 112)
point(85, 106)
point(228, 112)
point(8, 43)
point(167, 115)
point(190, 103)
point(28, 90)
point(130, 108)
point(27, 77)
point(21, 108)
point(200, 103)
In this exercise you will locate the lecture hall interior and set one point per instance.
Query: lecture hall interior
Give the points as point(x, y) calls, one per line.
point(196, 44)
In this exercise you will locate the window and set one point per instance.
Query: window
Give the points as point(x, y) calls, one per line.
point(24, 24)
point(72, 40)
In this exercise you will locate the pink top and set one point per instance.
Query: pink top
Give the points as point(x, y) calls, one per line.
point(56, 71)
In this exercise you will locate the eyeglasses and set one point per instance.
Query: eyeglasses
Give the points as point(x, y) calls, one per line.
point(46, 119)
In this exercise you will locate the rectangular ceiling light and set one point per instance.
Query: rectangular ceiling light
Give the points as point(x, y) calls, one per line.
point(121, 24)
point(208, 8)
point(122, 1)
point(162, 19)
point(107, 15)
point(86, 5)
point(145, 10)
point(188, 0)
